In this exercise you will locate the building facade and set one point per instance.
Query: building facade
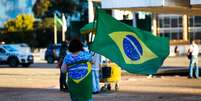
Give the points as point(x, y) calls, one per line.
point(178, 20)
point(170, 25)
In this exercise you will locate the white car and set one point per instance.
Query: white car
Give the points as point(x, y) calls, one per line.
point(22, 47)
point(13, 56)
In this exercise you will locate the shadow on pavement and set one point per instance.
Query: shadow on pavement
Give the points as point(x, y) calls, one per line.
point(39, 94)
point(31, 94)
point(176, 70)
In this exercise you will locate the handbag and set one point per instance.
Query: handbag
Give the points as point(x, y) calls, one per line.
point(189, 55)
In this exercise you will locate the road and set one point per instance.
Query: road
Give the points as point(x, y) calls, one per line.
point(40, 83)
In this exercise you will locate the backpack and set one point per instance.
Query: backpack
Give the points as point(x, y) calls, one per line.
point(189, 54)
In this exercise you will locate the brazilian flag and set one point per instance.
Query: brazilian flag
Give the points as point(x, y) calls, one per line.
point(134, 50)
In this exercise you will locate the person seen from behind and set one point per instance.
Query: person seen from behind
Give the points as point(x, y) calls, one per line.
point(62, 78)
point(193, 65)
point(77, 64)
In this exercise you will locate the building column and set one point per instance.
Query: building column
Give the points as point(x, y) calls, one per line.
point(90, 10)
point(55, 30)
point(154, 24)
point(185, 27)
point(91, 17)
point(134, 20)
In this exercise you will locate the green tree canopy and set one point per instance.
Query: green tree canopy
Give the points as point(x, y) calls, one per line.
point(10, 25)
point(46, 8)
point(23, 22)
point(41, 7)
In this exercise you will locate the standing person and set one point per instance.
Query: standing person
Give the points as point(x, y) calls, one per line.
point(96, 60)
point(194, 50)
point(176, 51)
point(77, 64)
point(62, 78)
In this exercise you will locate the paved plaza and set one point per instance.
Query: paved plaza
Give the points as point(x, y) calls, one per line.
point(40, 83)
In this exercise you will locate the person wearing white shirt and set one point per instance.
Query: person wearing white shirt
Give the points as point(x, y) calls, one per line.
point(96, 60)
point(194, 60)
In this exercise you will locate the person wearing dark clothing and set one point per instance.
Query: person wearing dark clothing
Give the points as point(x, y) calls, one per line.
point(176, 51)
point(77, 63)
point(62, 79)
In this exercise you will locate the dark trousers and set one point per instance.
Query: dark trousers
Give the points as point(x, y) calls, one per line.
point(62, 81)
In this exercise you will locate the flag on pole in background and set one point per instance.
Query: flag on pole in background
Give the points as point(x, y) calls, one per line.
point(62, 22)
point(134, 50)
point(58, 20)
point(64, 25)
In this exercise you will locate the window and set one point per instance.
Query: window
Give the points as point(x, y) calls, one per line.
point(167, 35)
point(197, 20)
point(176, 35)
point(161, 23)
point(197, 35)
point(180, 35)
point(180, 22)
point(191, 35)
point(166, 22)
point(2, 50)
point(10, 48)
point(172, 35)
point(161, 35)
point(174, 22)
point(191, 21)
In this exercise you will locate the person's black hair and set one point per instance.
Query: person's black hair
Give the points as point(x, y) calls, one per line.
point(64, 44)
point(75, 45)
point(191, 41)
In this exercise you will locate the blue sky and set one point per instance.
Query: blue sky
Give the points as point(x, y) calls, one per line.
point(11, 8)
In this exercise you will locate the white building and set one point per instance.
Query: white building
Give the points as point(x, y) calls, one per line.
point(176, 19)
point(180, 20)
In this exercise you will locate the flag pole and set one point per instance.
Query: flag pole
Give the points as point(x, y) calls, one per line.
point(91, 17)
point(55, 29)
point(94, 23)
point(64, 27)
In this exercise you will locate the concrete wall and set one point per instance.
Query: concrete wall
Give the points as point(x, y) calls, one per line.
point(195, 2)
point(143, 3)
point(39, 55)
point(130, 3)
point(175, 3)
point(181, 48)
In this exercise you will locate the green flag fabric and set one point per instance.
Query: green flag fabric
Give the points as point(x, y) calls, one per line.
point(56, 19)
point(134, 50)
point(79, 81)
point(90, 27)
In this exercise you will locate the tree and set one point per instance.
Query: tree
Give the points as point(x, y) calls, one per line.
point(46, 8)
point(41, 7)
point(10, 25)
point(22, 22)
point(19, 30)
point(66, 6)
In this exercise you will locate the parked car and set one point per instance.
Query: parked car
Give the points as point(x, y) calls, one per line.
point(22, 47)
point(52, 53)
point(13, 57)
